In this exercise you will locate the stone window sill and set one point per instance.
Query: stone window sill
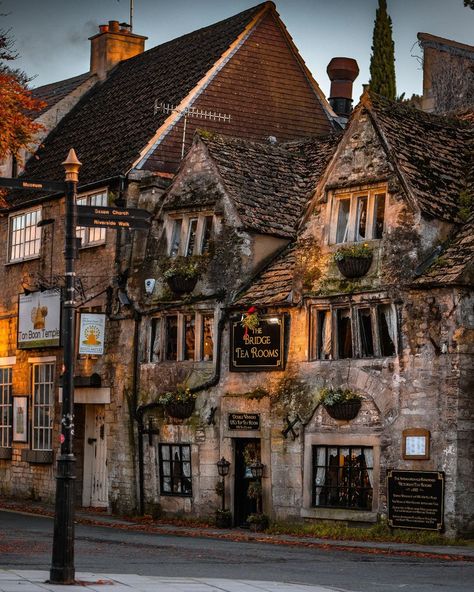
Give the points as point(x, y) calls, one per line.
point(40, 457)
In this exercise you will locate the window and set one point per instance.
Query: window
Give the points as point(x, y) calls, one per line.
point(24, 236)
point(190, 235)
point(363, 331)
point(357, 217)
point(342, 477)
point(175, 469)
point(5, 407)
point(43, 405)
point(91, 236)
point(178, 337)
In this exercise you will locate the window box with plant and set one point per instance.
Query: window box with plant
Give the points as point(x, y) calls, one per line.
point(343, 404)
point(182, 273)
point(178, 403)
point(355, 260)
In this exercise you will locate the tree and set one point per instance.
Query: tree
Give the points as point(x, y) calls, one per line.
point(469, 3)
point(382, 61)
point(17, 105)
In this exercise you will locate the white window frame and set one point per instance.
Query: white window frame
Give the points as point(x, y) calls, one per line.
point(354, 196)
point(92, 237)
point(42, 399)
point(198, 336)
point(184, 237)
point(373, 306)
point(24, 234)
point(6, 406)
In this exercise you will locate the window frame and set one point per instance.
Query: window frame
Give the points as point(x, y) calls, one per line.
point(345, 476)
point(158, 330)
point(162, 476)
point(352, 225)
point(88, 232)
point(36, 426)
point(37, 241)
point(6, 406)
point(180, 247)
point(356, 335)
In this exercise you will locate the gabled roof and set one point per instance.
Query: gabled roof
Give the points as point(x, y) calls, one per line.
point(448, 45)
point(456, 264)
point(270, 184)
point(432, 154)
point(114, 121)
point(273, 285)
point(56, 91)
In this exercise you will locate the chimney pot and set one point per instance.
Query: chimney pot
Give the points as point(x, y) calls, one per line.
point(114, 26)
point(342, 72)
point(103, 28)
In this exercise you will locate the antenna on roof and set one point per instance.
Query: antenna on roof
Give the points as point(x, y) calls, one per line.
point(189, 112)
point(131, 15)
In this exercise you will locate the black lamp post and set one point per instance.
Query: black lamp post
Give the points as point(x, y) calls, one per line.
point(62, 564)
point(256, 469)
point(223, 469)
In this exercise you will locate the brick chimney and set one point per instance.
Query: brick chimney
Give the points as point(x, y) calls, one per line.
point(112, 44)
point(342, 72)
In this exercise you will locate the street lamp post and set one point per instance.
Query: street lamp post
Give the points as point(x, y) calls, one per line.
point(62, 565)
point(223, 469)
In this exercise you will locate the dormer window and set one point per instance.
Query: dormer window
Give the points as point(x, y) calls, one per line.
point(357, 216)
point(190, 235)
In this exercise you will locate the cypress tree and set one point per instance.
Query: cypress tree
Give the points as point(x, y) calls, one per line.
point(382, 61)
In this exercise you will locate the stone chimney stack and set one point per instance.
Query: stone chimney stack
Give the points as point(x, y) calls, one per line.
point(112, 44)
point(342, 72)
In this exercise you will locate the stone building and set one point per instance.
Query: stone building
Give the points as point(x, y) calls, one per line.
point(130, 119)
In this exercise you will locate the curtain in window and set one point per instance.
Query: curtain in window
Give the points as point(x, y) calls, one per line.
point(320, 478)
point(156, 341)
point(369, 461)
point(343, 220)
point(326, 335)
point(388, 330)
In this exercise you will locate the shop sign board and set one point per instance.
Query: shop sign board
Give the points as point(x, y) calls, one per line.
point(244, 421)
point(92, 334)
point(261, 348)
point(416, 499)
point(39, 319)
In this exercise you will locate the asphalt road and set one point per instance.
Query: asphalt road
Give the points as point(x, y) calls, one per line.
point(25, 543)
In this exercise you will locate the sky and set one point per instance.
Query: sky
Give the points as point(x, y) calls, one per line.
point(52, 35)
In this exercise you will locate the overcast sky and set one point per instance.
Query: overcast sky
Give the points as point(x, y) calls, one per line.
point(51, 35)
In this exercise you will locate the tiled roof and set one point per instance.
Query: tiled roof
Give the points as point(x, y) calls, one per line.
point(274, 284)
point(270, 184)
point(433, 153)
point(114, 121)
point(456, 264)
point(56, 91)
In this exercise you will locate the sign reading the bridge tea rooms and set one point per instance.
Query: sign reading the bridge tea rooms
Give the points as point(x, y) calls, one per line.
point(39, 319)
point(260, 348)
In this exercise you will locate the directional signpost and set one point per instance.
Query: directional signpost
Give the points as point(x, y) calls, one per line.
point(62, 565)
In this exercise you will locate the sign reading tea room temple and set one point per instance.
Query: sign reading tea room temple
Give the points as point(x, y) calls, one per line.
point(259, 348)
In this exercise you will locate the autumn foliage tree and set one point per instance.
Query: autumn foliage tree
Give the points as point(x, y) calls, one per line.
point(17, 105)
point(382, 61)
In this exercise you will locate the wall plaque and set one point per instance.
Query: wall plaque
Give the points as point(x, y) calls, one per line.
point(416, 499)
point(257, 349)
point(244, 421)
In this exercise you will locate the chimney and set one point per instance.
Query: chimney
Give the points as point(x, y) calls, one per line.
point(112, 44)
point(342, 72)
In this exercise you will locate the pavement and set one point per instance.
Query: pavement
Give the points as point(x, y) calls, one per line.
point(12, 580)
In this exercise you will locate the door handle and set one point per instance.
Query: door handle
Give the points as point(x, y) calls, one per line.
point(91, 440)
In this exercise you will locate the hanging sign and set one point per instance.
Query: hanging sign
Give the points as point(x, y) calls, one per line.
point(260, 348)
point(416, 499)
point(39, 319)
point(92, 334)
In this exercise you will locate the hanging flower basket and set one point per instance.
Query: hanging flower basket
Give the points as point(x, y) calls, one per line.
point(180, 409)
point(354, 261)
point(345, 411)
point(181, 284)
point(353, 267)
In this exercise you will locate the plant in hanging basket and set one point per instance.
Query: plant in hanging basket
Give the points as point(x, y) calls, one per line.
point(179, 403)
point(182, 273)
point(355, 260)
point(340, 403)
